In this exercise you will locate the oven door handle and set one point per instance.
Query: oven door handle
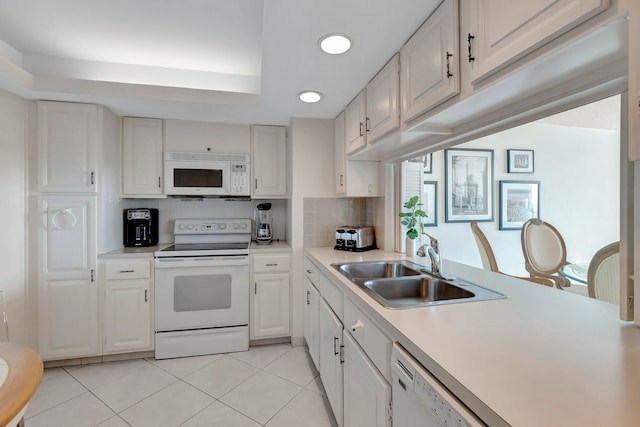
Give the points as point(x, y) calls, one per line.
point(202, 261)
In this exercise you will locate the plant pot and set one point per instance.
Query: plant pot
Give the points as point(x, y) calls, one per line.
point(411, 246)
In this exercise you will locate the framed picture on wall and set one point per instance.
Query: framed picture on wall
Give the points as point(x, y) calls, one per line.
point(519, 202)
point(430, 203)
point(519, 161)
point(468, 185)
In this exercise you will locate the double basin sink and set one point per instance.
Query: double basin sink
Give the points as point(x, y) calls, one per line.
point(403, 284)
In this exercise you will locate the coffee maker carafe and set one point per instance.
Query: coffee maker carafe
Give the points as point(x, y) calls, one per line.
point(263, 223)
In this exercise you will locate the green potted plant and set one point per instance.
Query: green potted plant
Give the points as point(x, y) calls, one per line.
point(412, 220)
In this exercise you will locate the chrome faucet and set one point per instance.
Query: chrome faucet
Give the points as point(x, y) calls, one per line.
point(433, 250)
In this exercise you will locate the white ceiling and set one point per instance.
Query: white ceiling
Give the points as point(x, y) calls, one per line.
point(240, 61)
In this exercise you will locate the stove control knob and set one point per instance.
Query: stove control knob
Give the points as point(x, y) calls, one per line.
point(223, 226)
point(243, 225)
point(181, 227)
point(190, 226)
point(235, 225)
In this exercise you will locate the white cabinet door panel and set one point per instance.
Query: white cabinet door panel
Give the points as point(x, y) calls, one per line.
point(67, 147)
point(506, 30)
point(68, 318)
point(367, 395)
point(355, 116)
point(127, 316)
point(383, 114)
point(330, 359)
point(141, 157)
point(270, 312)
point(429, 63)
point(312, 320)
point(269, 161)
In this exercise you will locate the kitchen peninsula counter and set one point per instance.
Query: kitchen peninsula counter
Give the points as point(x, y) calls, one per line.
point(541, 357)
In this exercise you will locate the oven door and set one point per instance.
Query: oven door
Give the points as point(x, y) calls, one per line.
point(203, 178)
point(201, 292)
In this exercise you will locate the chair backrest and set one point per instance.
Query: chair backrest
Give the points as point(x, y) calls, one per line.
point(603, 277)
point(486, 253)
point(543, 247)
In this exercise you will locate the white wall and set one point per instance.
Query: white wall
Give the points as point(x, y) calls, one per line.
point(578, 170)
point(170, 209)
point(312, 165)
point(13, 212)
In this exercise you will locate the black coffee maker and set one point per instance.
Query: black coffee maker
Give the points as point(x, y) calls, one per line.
point(140, 227)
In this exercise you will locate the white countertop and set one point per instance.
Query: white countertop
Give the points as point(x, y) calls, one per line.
point(147, 252)
point(542, 357)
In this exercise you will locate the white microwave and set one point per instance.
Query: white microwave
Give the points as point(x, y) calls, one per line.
point(205, 174)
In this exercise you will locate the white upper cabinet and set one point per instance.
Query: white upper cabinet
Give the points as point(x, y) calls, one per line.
point(355, 116)
point(141, 157)
point(382, 98)
point(340, 156)
point(269, 161)
point(430, 62)
point(504, 31)
point(67, 147)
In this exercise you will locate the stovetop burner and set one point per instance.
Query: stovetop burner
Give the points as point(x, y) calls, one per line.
point(209, 237)
point(205, 247)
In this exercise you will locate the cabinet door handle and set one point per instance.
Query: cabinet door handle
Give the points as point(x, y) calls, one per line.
point(127, 271)
point(308, 295)
point(146, 295)
point(341, 353)
point(93, 273)
point(335, 346)
point(272, 264)
point(309, 271)
point(256, 183)
point(449, 75)
point(368, 128)
point(471, 57)
point(361, 127)
point(255, 288)
point(341, 179)
point(159, 182)
point(93, 177)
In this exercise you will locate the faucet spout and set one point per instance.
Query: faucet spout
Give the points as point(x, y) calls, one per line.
point(433, 250)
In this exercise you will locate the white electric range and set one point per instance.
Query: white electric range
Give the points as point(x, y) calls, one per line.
point(202, 289)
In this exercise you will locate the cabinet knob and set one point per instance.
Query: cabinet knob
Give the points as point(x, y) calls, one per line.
point(358, 325)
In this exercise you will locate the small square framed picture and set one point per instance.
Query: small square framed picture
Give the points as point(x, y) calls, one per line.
point(519, 202)
point(519, 161)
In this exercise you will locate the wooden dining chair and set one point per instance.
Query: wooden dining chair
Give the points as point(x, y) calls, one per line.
point(544, 251)
point(489, 260)
point(603, 276)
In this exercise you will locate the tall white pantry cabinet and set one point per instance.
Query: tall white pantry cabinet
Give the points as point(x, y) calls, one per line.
point(70, 141)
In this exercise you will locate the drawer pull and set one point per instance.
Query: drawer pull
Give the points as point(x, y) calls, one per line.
point(127, 271)
point(358, 325)
point(272, 264)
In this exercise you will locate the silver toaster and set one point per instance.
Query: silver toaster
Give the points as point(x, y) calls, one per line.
point(355, 238)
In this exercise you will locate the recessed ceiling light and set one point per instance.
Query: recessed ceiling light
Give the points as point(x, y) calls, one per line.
point(335, 44)
point(310, 96)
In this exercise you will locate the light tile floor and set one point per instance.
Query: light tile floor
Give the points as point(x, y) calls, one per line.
point(274, 386)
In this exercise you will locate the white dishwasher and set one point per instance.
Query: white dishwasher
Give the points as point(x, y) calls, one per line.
point(420, 400)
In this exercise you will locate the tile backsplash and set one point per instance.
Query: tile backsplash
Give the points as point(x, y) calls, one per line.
point(322, 216)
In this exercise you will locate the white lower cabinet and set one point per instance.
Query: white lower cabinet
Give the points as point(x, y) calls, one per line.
point(127, 306)
point(353, 360)
point(68, 311)
point(312, 320)
point(331, 359)
point(68, 319)
point(270, 296)
point(367, 395)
